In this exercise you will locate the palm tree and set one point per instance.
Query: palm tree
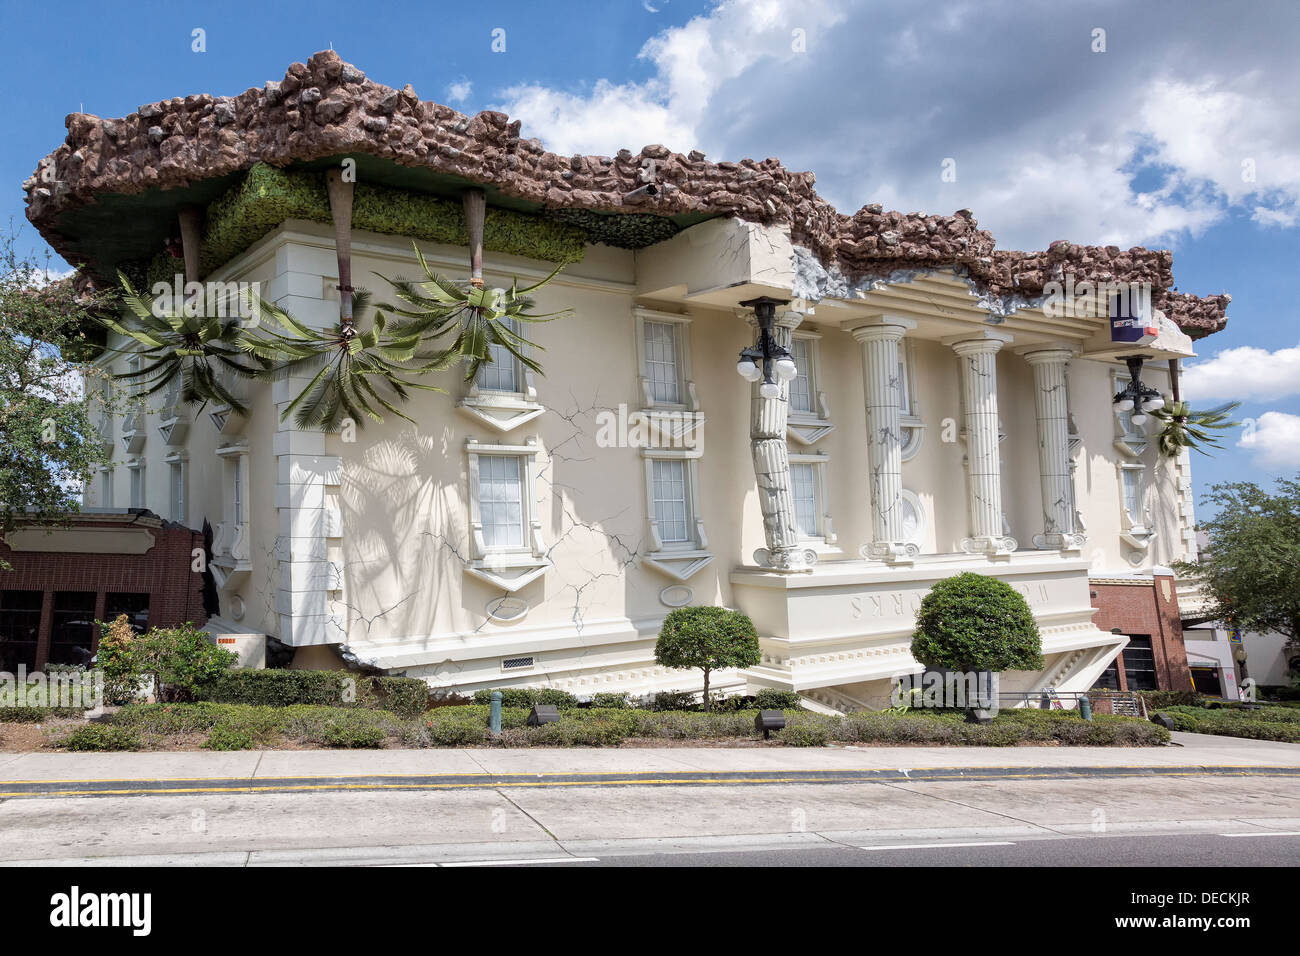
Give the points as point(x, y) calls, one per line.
point(346, 362)
point(479, 317)
point(178, 345)
point(1182, 427)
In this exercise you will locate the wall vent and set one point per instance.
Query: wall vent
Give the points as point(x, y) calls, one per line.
point(517, 663)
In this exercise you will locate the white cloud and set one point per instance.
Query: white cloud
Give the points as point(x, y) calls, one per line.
point(459, 91)
point(1186, 116)
point(1274, 440)
point(1244, 373)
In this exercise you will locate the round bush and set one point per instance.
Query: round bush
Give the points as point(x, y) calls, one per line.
point(228, 737)
point(805, 733)
point(972, 622)
point(102, 737)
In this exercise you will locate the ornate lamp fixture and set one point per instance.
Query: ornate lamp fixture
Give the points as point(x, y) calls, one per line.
point(1136, 397)
point(766, 359)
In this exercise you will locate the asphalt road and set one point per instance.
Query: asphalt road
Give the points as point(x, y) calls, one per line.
point(1157, 820)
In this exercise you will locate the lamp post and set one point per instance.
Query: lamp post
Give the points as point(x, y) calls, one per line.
point(1136, 397)
point(766, 359)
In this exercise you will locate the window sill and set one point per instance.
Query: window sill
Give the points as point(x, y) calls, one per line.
point(501, 411)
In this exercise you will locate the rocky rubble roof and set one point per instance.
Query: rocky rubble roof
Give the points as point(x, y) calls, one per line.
point(326, 108)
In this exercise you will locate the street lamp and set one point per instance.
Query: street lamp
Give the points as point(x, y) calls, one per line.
point(766, 359)
point(1136, 397)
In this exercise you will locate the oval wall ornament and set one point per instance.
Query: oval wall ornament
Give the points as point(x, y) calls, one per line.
point(676, 595)
point(507, 610)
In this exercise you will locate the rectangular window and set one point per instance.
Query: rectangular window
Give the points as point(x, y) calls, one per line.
point(20, 627)
point(661, 361)
point(502, 373)
point(177, 479)
point(501, 502)
point(671, 499)
point(72, 631)
point(904, 381)
point(801, 386)
point(1109, 679)
point(803, 486)
point(1132, 479)
point(137, 486)
point(1140, 663)
point(134, 606)
point(106, 489)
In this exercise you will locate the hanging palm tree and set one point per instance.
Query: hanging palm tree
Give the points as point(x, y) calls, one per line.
point(1182, 427)
point(174, 346)
point(476, 317)
point(355, 372)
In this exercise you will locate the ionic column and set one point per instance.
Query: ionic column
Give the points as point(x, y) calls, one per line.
point(1051, 407)
point(979, 382)
point(767, 442)
point(881, 387)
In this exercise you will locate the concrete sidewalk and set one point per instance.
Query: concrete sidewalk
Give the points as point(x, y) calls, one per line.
point(1195, 752)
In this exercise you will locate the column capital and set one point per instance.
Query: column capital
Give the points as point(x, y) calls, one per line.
point(983, 341)
point(883, 327)
point(1048, 355)
point(789, 318)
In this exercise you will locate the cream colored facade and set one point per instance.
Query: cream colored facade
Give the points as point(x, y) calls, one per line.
point(992, 447)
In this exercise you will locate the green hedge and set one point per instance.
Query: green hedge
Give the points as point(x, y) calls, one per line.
point(526, 697)
point(267, 196)
point(1267, 723)
point(275, 687)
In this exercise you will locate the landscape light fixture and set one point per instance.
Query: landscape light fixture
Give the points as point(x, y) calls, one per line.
point(1136, 397)
point(765, 359)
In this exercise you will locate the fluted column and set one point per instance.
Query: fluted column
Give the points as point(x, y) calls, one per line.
point(881, 386)
point(772, 468)
point(979, 382)
point(1051, 407)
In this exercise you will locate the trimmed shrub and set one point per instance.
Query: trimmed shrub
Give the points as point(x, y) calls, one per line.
point(408, 696)
point(609, 701)
point(768, 699)
point(229, 737)
point(345, 733)
point(31, 715)
point(707, 639)
point(673, 700)
point(805, 733)
point(1267, 723)
point(526, 697)
point(1160, 699)
point(972, 622)
point(448, 728)
point(571, 732)
point(101, 737)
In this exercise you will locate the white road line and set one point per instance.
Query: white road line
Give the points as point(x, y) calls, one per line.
point(554, 859)
point(932, 846)
point(1264, 833)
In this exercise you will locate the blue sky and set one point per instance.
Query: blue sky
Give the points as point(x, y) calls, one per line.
point(1143, 142)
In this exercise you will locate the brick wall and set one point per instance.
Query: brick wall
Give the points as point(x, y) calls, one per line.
point(163, 572)
point(1147, 607)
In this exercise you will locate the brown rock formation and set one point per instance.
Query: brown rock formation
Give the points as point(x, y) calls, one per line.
point(327, 107)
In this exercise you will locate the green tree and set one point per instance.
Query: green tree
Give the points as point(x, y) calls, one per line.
point(972, 622)
point(48, 445)
point(179, 659)
point(707, 638)
point(1250, 570)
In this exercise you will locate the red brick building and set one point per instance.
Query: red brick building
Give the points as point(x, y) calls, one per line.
point(1145, 608)
point(100, 565)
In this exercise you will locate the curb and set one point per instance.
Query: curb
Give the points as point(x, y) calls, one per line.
point(486, 781)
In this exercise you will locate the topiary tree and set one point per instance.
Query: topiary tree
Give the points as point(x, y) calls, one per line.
point(972, 622)
point(707, 638)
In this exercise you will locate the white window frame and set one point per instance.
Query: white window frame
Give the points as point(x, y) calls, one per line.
point(808, 427)
point(511, 567)
point(686, 395)
point(1130, 440)
point(696, 538)
point(139, 493)
point(909, 420)
point(1137, 531)
point(920, 536)
point(825, 535)
point(178, 476)
point(106, 486)
point(231, 544)
point(503, 411)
